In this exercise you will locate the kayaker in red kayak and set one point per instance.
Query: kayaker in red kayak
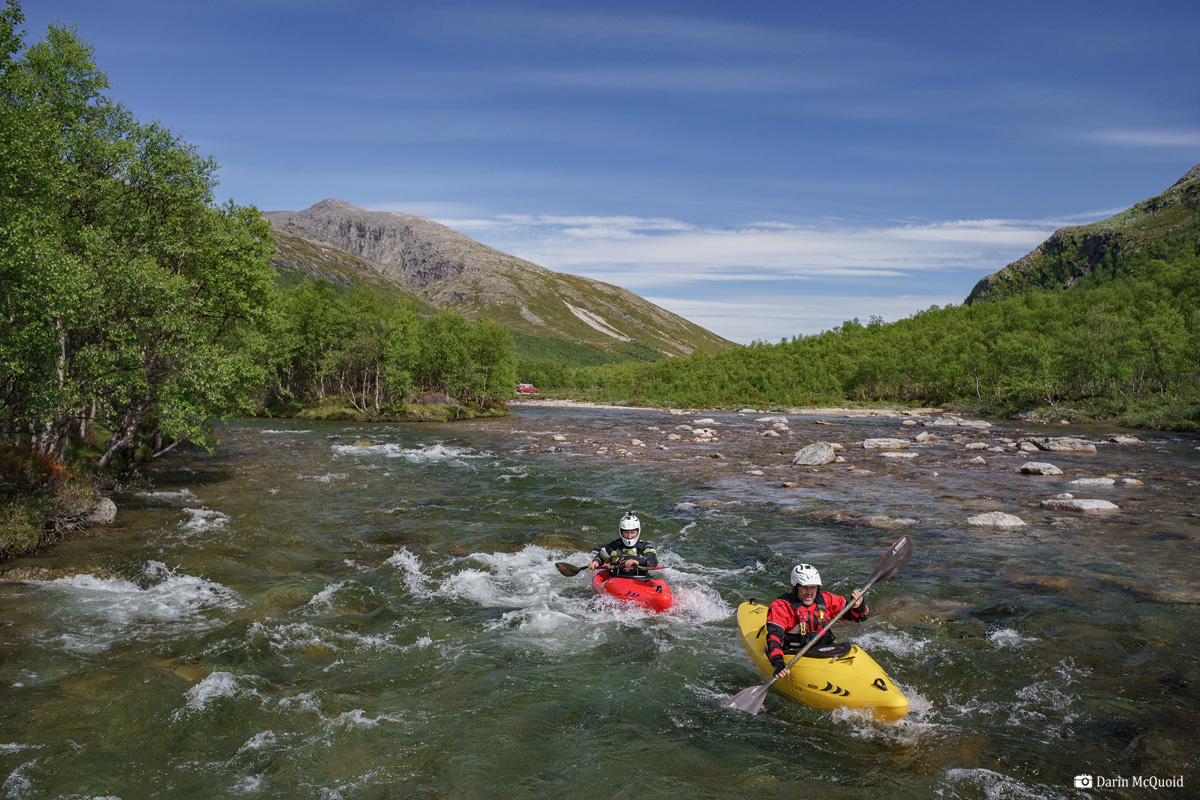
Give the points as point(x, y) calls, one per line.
point(801, 614)
point(627, 556)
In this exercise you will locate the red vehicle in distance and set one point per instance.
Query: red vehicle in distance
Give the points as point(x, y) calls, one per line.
point(526, 388)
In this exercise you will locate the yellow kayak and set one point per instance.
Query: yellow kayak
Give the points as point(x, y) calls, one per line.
point(850, 679)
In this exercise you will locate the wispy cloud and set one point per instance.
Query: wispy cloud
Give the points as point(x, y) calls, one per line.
point(755, 281)
point(1180, 137)
point(639, 253)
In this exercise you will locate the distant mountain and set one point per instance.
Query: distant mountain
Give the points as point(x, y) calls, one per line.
point(1159, 226)
point(406, 255)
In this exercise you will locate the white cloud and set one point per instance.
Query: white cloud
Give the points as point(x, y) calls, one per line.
point(795, 313)
point(638, 253)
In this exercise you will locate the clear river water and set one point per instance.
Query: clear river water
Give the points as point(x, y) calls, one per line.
point(350, 611)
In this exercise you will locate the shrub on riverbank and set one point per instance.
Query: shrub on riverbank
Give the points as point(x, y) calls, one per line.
point(341, 409)
point(33, 521)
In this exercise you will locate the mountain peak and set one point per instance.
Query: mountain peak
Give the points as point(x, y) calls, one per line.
point(448, 269)
point(1192, 175)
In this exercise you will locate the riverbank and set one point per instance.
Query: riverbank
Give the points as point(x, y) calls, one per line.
point(340, 410)
point(551, 402)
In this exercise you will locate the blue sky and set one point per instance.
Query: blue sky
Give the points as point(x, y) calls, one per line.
point(766, 169)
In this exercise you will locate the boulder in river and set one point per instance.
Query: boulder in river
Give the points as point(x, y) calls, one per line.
point(1039, 468)
point(1092, 482)
point(1064, 444)
point(103, 513)
point(885, 444)
point(1065, 502)
point(997, 519)
point(814, 455)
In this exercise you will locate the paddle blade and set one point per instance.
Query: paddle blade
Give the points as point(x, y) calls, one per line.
point(895, 558)
point(570, 570)
point(749, 700)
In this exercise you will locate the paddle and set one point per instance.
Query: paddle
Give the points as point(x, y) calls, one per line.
point(751, 699)
point(570, 570)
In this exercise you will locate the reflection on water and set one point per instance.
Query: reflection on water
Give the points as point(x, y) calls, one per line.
point(356, 611)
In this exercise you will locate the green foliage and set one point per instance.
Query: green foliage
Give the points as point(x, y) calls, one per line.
point(639, 350)
point(1127, 348)
point(126, 291)
point(355, 353)
point(530, 348)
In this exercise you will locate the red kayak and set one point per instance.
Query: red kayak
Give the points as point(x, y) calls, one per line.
point(651, 593)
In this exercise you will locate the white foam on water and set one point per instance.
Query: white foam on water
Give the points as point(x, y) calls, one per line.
point(304, 636)
point(305, 701)
point(901, 643)
point(996, 786)
point(17, 784)
point(324, 598)
point(1007, 637)
point(251, 784)
point(183, 495)
point(914, 727)
point(426, 454)
point(259, 741)
point(697, 604)
point(329, 477)
point(8, 749)
point(97, 612)
point(216, 686)
point(509, 580)
point(357, 718)
point(203, 519)
point(414, 577)
point(269, 431)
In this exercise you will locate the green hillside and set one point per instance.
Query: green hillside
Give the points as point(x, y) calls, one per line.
point(1100, 323)
point(1160, 227)
point(565, 318)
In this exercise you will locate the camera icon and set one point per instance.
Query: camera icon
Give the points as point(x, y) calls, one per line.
point(1083, 781)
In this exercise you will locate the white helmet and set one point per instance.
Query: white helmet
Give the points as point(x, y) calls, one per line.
point(805, 575)
point(630, 523)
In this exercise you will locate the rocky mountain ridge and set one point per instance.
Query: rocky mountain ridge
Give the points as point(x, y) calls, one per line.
point(1165, 222)
point(446, 269)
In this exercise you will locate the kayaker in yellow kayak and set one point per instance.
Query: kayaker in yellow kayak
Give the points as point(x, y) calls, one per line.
point(800, 615)
point(626, 556)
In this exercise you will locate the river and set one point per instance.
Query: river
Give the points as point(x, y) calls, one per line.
point(352, 611)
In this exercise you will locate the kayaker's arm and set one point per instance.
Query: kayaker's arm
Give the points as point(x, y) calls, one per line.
point(775, 649)
point(858, 609)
